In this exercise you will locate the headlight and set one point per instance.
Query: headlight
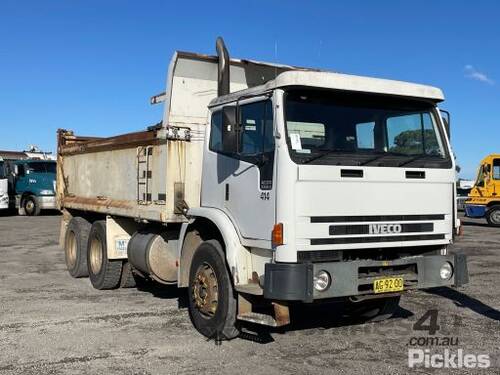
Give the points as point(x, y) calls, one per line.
point(446, 271)
point(322, 281)
point(46, 192)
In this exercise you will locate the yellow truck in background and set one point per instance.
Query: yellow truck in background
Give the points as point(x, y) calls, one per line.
point(484, 198)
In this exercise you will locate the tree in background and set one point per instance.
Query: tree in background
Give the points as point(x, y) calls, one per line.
point(410, 142)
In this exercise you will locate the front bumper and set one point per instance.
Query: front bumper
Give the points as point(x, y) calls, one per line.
point(294, 281)
point(47, 202)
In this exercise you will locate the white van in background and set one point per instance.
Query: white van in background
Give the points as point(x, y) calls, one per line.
point(4, 187)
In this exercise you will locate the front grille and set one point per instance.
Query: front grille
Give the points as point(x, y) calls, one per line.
point(319, 256)
point(389, 253)
point(350, 240)
point(388, 271)
point(350, 219)
point(383, 253)
point(338, 230)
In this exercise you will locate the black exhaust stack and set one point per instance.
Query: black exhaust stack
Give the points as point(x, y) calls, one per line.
point(223, 68)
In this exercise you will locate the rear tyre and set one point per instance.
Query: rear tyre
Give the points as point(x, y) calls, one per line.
point(103, 273)
point(75, 246)
point(212, 303)
point(375, 310)
point(31, 206)
point(493, 216)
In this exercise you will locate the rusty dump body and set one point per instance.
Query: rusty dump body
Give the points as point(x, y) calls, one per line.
point(127, 175)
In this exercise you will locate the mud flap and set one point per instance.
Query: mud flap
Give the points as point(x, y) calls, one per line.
point(461, 270)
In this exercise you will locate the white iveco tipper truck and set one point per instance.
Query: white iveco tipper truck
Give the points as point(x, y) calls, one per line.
point(267, 186)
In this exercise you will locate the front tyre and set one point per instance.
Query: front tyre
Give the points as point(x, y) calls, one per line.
point(493, 216)
point(212, 303)
point(103, 272)
point(31, 206)
point(375, 310)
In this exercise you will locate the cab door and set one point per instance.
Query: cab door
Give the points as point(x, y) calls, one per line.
point(479, 189)
point(250, 189)
point(242, 183)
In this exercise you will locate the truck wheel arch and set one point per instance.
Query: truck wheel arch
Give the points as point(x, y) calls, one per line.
point(206, 224)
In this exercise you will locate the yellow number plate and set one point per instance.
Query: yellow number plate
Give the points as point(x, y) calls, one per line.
point(390, 284)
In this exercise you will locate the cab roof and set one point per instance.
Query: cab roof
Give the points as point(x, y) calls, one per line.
point(490, 157)
point(338, 81)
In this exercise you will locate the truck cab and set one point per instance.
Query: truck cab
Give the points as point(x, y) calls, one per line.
point(34, 186)
point(484, 198)
point(315, 171)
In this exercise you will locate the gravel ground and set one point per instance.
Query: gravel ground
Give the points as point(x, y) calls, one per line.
point(53, 324)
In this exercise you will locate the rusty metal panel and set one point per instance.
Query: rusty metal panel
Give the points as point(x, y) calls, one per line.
point(102, 176)
point(71, 144)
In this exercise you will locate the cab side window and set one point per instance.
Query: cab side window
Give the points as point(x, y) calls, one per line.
point(215, 143)
point(481, 176)
point(496, 169)
point(20, 170)
point(256, 127)
point(257, 139)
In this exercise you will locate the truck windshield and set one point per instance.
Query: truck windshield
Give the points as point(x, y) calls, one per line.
point(325, 127)
point(41, 167)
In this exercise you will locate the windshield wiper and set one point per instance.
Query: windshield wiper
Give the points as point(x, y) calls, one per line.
point(381, 155)
point(325, 153)
point(416, 157)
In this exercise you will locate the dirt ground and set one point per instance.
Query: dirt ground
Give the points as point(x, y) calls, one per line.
point(53, 324)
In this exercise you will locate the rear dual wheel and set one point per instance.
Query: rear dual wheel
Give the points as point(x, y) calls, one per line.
point(85, 252)
point(104, 273)
point(75, 246)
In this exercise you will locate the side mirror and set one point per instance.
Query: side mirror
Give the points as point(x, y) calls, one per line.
point(16, 170)
point(445, 115)
point(229, 130)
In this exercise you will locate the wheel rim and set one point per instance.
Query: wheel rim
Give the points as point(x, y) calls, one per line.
point(71, 249)
point(29, 206)
point(95, 255)
point(495, 216)
point(205, 291)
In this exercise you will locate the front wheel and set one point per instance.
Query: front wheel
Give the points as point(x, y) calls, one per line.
point(31, 206)
point(493, 216)
point(212, 303)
